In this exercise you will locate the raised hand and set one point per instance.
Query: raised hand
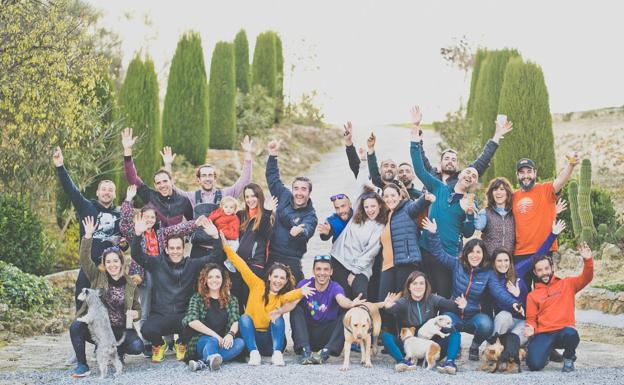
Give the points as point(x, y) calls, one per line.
point(513, 289)
point(89, 227)
point(370, 143)
point(417, 115)
point(271, 204)
point(247, 144)
point(467, 203)
point(307, 290)
point(323, 228)
point(273, 146)
point(140, 225)
point(585, 251)
point(461, 302)
point(127, 140)
point(57, 157)
point(348, 134)
point(296, 230)
point(167, 155)
point(362, 154)
point(211, 230)
point(518, 308)
point(429, 197)
point(131, 192)
point(561, 206)
point(429, 225)
point(573, 158)
point(391, 298)
point(501, 130)
point(558, 227)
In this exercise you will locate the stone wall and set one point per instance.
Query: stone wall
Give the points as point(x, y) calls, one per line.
point(603, 300)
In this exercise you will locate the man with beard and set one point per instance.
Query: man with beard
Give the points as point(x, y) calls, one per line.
point(448, 171)
point(171, 208)
point(550, 312)
point(335, 223)
point(534, 207)
point(295, 217)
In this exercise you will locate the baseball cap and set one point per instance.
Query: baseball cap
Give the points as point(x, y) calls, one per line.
point(524, 162)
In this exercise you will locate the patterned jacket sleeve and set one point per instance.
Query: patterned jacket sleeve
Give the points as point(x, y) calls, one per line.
point(232, 312)
point(193, 312)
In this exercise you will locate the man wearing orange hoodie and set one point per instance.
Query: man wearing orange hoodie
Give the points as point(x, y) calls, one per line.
point(550, 312)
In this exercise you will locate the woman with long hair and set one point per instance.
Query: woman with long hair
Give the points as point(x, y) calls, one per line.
point(262, 326)
point(412, 308)
point(495, 221)
point(212, 320)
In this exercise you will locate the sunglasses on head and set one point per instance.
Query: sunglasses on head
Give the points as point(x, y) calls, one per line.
point(338, 196)
point(326, 258)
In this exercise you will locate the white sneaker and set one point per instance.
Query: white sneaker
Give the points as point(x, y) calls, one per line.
point(71, 360)
point(214, 361)
point(278, 358)
point(254, 358)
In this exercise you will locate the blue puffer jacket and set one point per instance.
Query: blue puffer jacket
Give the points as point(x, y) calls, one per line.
point(404, 231)
point(472, 283)
point(287, 216)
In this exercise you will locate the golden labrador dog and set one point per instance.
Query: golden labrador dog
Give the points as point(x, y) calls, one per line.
point(362, 324)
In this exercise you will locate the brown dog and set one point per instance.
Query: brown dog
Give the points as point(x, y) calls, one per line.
point(362, 324)
point(503, 352)
point(417, 348)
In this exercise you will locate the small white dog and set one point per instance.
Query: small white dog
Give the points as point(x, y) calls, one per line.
point(434, 327)
point(418, 348)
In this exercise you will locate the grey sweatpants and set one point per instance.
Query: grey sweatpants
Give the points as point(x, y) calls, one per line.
point(505, 323)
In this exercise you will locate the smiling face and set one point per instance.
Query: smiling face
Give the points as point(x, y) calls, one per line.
point(105, 193)
point(251, 200)
point(322, 272)
point(229, 208)
point(207, 178)
point(371, 208)
point(175, 249)
point(214, 280)
point(502, 263)
point(417, 288)
point(467, 178)
point(343, 208)
point(500, 196)
point(163, 184)
point(526, 178)
point(406, 174)
point(277, 280)
point(448, 163)
point(388, 170)
point(543, 271)
point(391, 197)
point(149, 216)
point(301, 193)
point(475, 256)
point(113, 265)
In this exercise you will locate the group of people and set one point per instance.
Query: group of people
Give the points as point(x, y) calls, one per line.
point(390, 243)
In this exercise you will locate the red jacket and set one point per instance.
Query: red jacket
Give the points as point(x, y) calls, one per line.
point(550, 307)
point(229, 224)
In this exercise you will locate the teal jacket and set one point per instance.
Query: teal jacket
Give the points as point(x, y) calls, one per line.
point(450, 217)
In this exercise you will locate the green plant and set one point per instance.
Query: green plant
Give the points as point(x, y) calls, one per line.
point(279, 78)
point(584, 198)
point(306, 112)
point(455, 133)
point(241, 50)
point(476, 71)
point(222, 97)
point(617, 287)
point(254, 111)
point(264, 68)
point(574, 214)
point(185, 112)
point(23, 290)
point(524, 99)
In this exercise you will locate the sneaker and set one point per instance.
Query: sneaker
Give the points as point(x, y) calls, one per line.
point(158, 353)
point(473, 353)
point(306, 357)
point(228, 265)
point(404, 366)
point(194, 366)
point(555, 356)
point(254, 358)
point(82, 370)
point(180, 350)
point(320, 357)
point(355, 347)
point(147, 350)
point(568, 365)
point(278, 358)
point(71, 360)
point(214, 362)
point(447, 367)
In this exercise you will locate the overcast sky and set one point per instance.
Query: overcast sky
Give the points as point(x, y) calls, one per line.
point(370, 60)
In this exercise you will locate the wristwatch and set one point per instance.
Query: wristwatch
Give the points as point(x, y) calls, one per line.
point(231, 333)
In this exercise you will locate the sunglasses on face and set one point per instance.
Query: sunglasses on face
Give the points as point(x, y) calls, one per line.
point(337, 196)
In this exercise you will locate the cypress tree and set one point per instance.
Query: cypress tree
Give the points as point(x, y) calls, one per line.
point(139, 106)
point(222, 97)
point(279, 87)
point(524, 99)
point(241, 48)
point(485, 107)
point(476, 68)
point(185, 112)
point(264, 68)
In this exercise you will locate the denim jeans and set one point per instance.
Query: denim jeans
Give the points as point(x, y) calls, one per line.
point(208, 346)
point(542, 344)
point(79, 334)
point(479, 325)
point(274, 338)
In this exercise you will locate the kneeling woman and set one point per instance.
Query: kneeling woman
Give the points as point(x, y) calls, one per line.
point(413, 308)
point(119, 295)
point(212, 318)
point(262, 326)
point(471, 277)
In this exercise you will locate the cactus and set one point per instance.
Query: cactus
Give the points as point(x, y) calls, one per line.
point(574, 208)
point(618, 236)
point(587, 235)
point(603, 233)
point(584, 198)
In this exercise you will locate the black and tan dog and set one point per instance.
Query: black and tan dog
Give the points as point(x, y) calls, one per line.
point(503, 353)
point(362, 324)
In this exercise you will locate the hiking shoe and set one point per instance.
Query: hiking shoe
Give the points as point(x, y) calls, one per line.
point(195, 366)
point(82, 370)
point(254, 358)
point(404, 366)
point(158, 353)
point(278, 358)
point(320, 357)
point(180, 350)
point(214, 362)
point(147, 350)
point(448, 367)
point(71, 360)
point(473, 353)
point(568, 365)
point(306, 358)
point(555, 356)
point(355, 347)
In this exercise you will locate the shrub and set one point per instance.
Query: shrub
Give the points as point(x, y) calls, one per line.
point(241, 49)
point(22, 236)
point(23, 290)
point(264, 68)
point(254, 111)
point(455, 134)
point(306, 112)
point(279, 85)
point(222, 97)
point(476, 70)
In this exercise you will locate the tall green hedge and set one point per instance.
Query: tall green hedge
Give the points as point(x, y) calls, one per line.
point(222, 97)
point(476, 70)
point(264, 68)
point(279, 91)
point(524, 99)
point(140, 109)
point(487, 95)
point(185, 112)
point(241, 49)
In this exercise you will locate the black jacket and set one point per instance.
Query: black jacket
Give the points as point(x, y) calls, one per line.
point(416, 313)
point(253, 244)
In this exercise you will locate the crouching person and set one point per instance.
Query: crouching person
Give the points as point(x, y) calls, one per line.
point(316, 321)
point(118, 293)
point(550, 312)
point(212, 320)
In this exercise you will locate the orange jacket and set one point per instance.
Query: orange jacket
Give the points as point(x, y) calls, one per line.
point(550, 307)
point(229, 224)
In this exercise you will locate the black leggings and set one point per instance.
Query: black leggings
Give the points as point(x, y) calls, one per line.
point(440, 277)
point(316, 335)
point(393, 281)
point(341, 275)
point(158, 325)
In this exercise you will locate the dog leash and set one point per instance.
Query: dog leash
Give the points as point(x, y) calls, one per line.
point(370, 316)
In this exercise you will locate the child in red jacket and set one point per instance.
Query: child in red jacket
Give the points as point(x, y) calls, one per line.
point(226, 220)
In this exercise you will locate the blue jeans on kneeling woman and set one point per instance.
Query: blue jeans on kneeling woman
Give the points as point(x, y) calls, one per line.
point(266, 342)
point(479, 325)
point(450, 345)
point(207, 346)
